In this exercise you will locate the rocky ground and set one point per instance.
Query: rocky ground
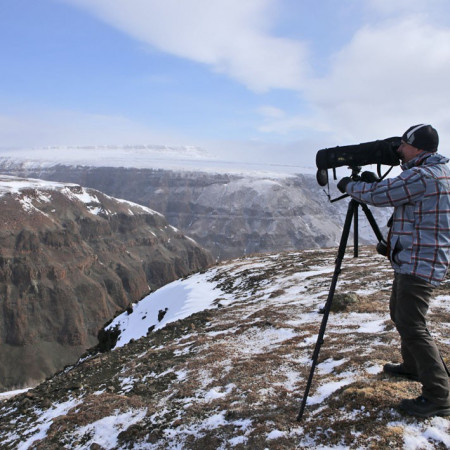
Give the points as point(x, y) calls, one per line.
point(233, 376)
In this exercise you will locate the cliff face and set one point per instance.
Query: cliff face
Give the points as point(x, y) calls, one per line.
point(70, 258)
point(230, 215)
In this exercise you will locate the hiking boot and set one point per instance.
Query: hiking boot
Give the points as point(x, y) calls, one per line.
point(421, 407)
point(397, 370)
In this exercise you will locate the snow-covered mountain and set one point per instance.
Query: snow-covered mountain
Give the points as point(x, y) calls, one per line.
point(229, 212)
point(220, 359)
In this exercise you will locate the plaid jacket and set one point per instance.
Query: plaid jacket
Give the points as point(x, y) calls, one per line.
point(420, 234)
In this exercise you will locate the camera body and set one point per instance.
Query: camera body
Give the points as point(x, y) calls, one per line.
point(374, 152)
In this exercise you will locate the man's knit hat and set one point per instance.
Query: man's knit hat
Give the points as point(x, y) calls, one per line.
point(423, 137)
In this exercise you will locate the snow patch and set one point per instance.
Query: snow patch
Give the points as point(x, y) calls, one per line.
point(45, 421)
point(327, 389)
point(107, 429)
point(329, 365)
point(175, 301)
point(275, 434)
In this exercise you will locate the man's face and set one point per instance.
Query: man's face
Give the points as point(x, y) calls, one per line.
point(407, 152)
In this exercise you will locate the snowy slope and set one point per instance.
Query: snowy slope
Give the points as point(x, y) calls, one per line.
point(33, 190)
point(175, 301)
point(226, 367)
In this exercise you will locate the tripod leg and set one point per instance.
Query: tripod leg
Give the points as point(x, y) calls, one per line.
point(353, 205)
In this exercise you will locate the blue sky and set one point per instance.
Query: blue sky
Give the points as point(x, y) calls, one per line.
point(271, 79)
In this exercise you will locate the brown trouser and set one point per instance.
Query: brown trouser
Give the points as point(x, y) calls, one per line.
point(408, 306)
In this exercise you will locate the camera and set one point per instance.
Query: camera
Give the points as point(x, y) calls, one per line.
point(375, 152)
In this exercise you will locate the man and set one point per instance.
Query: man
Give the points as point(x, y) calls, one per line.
point(419, 251)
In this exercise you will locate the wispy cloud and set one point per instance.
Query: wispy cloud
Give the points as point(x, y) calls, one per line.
point(390, 75)
point(231, 37)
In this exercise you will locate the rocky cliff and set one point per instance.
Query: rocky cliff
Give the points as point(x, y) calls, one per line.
point(230, 215)
point(70, 258)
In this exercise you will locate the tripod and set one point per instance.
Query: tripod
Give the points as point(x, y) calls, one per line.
point(352, 215)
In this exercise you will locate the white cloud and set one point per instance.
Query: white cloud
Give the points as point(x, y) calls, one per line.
point(389, 76)
point(230, 36)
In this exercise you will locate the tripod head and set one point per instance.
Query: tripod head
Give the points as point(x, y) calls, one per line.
point(355, 176)
point(356, 170)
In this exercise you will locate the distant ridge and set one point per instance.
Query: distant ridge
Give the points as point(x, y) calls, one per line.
point(230, 214)
point(148, 156)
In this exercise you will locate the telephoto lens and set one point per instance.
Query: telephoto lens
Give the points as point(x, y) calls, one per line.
point(375, 152)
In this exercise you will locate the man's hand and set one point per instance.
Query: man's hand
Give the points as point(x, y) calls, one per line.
point(369, 177)
point(343, 184)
